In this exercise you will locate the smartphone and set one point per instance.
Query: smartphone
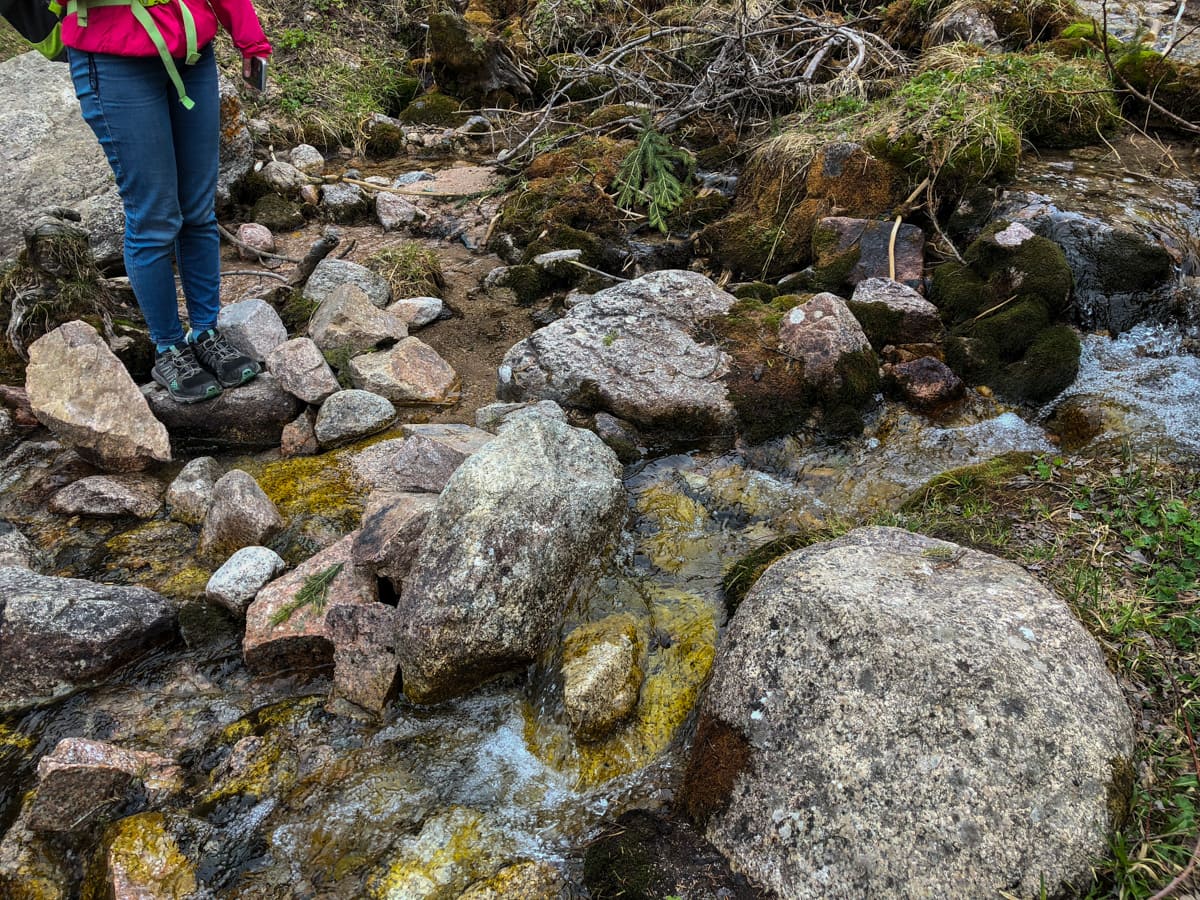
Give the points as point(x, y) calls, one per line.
point(258, 73)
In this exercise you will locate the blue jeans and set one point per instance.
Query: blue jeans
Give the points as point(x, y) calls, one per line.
point(165, 160)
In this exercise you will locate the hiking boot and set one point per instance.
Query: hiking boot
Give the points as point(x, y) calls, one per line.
point(228, 365)
point(177, 370)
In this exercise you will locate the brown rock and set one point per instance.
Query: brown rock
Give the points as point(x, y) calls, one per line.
point(348, 320)
point(848, 251)
point(241, 515)
point(431, 453)
point(364, 657)
point(894, 313)
point(924, 382)
point(411, 372)
point(85, 783)
point(820, 332)
point(391, 532)
point(80, 391)
point(299, 436)
point(142, 860)
point(299, 640)
point(302, 370)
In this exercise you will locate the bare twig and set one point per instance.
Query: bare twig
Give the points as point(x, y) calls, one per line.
point(242, 245)
point(256, 273)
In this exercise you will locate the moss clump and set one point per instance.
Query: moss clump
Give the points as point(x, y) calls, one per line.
point(1173, 85)
point(434, 109)
point(745, 572)
point(277, 213)
point(385, 141)
point(1018, 23)
point(411, 269)
point(832, 263)
point(612, 112)
point(527, 282)
point(756, 290)
point(880, 322)
point(1001, 307)
point(567, 70)
point(698, 211)
point(296, 312)
point(680, 526)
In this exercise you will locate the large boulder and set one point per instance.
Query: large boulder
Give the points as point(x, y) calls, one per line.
point(251, 417)
point(509, 535)
point(79, 390)
point(60, 633)
point(894, 715)
point(633, 350)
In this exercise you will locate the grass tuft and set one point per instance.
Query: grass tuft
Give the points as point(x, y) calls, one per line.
point(411, 269)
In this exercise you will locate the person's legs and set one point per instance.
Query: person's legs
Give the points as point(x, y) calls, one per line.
point(126, 101)
point(196, 134)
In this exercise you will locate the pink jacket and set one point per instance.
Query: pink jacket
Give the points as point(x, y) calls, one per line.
point(112, 29)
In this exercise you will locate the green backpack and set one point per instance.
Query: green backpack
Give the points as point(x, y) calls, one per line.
point(40, 22)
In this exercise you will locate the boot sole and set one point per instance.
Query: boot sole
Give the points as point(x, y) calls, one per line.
point(179, 398)
point(247, 375)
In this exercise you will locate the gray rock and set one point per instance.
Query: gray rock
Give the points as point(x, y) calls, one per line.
point(820, 332)
point(49, 154)
point(509, 535)
point(494, 415)
point(15, 548)
point(620, 437)
point(394, 211)
point(190, 494)
point(365, 667)
point(475, 125)
point(431, 454)
point(237, 146)
point(84, 783)
point(391, 531)
point(410, 372)
point(349, 415)
point(890, 714)
point(103, 216)
point(631, 350)
point(331, 273)
point(281, 636)
point(348, 321)
point(110, 496)
point(242, 576)
point(250, 417)
point(863, 244)
point(373, 466)
point(253, 327)
point(302, 370)
point(307, 159)
point(601, 675)
point(64, 633)
point(966, 22)
point(241, 515)
point(80, 391)
point(911, 318)
point(344, 203)
point(283, 177)
point(417, 311)
point(410, 178)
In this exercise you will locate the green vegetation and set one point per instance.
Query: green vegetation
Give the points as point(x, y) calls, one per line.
point(313, 593)
point(654, 175)
point(411, 269)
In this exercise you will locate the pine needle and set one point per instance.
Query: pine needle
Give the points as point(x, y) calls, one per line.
point(648, 177)
point(314, 593)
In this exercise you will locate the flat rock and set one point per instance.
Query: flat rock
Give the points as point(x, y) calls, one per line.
point(506, 540)
point(299, 640)
point(633, 350)
point(348, 321)
point(302, 370)
point(190, 494)
point(820, 332)
point(365, 668)
point(896, 715)
point(417, 311)
point(241, 515)
point(80, 391)
point(84, 783)
point(392, 526)
point(252, 326)
point(350, 415)
point(893, 313)
point(493, 416)
point(235, 584)
point(332, 273)
point(110, 496)
point(410, 372)
point(431, 453)
point(63, 633)
point(250, 417)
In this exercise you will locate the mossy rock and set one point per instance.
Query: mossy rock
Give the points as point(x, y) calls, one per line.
point(1175, 86)
point(607, 115)
point(879, 322)
point(141, 852)
point(756, 290)
point(1034, 269)
point(527, 282)
point(277, 213)
point(553, 72)
point(1049, 367)
point(385, 141)
point(832, 263)
point(698, 211)
point(595, 159)
point(557, 213)
point(434, 108)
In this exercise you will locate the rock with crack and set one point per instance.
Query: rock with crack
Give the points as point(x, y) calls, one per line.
point(410, 372)
point(348, 322)
point(302, 370)
point(393, 524)
point(239, 579)
point(886, 686)
point(512, 531)
point(430, 454)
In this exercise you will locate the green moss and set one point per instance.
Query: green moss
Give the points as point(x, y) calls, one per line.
point(745, 572)
point(1047, 368)
point(1035, 269)
point(385, 141)
point(698, 210)
point(304, 487)
point(1176, 86)
point(277, 213)
point(434, 109)
point(879, 321)
point(958, 292)
point(832, 266)
point(296, 312)
point(756, 290)
point(527, 282)
point(1012, 330)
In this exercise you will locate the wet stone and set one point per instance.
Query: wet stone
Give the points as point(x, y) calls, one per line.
point(190, 494)
point(332, 273)
point(15, 548)
point(925, 383)
point(365, 667)
point(431, 453)
point(252, 326)
point(410, 372)
point(851, 250)
point(110, 496)
point(241, 515)
point(528, 880)
point(302, 370)
point(83, 783)
point(348, 321)
point(239, 579)
point(390, 537)
point(620, 436)
point(141, 859)
point(601, 675)
point(349, 415)
point(284, 635)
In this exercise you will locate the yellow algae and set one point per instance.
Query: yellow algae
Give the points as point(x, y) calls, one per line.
point(11, 739)
point(454, 849)
point(145, 858)
point(322, 485)
point(526, 880)
point(685, 633)
point(273, 766)
point(680, 538)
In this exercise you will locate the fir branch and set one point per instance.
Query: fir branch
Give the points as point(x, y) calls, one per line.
point(314, 593)
point(648, 177)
